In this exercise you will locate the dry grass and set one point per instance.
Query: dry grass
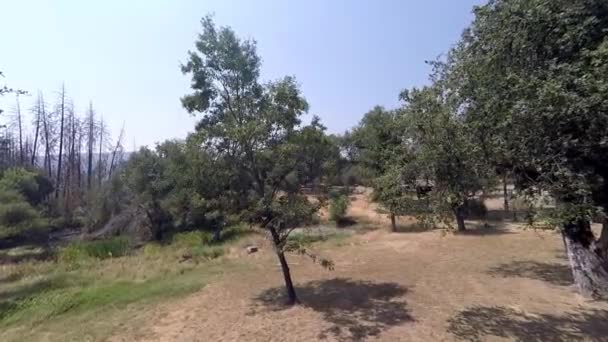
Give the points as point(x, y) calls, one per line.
point(493, 284)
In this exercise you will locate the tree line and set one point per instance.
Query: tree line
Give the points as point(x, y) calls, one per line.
point(70, 153)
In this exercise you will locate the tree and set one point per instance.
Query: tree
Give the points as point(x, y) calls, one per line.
point(38, 112)
point(61, 109)
point(254, 129)
point(90, 126)
point(378, 144)
point(444, 150)
point(533, 73)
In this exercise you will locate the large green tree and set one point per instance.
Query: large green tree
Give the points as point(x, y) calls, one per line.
point(443, 150)
point(254, 129)
point(531, 75)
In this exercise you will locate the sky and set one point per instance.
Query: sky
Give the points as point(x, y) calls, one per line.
point(124, 56)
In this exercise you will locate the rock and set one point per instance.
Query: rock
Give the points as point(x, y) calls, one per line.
point(252, 249)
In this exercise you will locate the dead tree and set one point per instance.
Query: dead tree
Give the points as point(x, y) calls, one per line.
point(117, 150)
point(90, 143)
point(38, 113)
point(62, 102)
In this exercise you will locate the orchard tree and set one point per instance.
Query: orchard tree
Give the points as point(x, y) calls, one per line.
point(533, 74)
point(254, 129)
point(443, 149)
point(378, 146)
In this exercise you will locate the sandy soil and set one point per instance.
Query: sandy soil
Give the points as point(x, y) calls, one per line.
point(499, 284)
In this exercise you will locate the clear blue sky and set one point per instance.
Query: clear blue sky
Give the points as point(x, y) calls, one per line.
point(125, 55)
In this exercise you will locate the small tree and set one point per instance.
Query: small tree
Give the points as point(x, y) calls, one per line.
point(254, 131)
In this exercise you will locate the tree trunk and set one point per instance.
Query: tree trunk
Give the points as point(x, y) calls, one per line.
point(90, 145)
point(37, 131)
point(602, 243)
point(291, 292)
point(292, 298)
point(458, 212)
point(393, 223)
point(59, 162)
point(505, 193)
point(20, 125)
point(589, 269)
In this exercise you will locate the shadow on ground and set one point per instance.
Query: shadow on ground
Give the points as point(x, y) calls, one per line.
point(356, 309)
point(477, 323)
point(554, 273)
point(482, 229)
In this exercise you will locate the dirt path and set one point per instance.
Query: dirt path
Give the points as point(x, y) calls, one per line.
point(487, 285)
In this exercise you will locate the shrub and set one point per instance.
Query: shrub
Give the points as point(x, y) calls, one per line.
point(16, 215)
point(234, 232)
point(34, 187)
point(337, 207)
point(207, 252)
point(100, 249)
point(192, 239)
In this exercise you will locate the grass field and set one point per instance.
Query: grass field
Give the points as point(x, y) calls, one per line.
point(499, 283)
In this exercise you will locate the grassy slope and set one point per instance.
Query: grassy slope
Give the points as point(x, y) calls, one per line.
point(89, 299)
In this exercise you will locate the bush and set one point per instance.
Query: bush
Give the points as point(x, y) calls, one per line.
point(192, 239)
point(16, 215)
point(207, 252)
point(234, 232)
point(337, 207)
point(33, 186)
point(100, 249)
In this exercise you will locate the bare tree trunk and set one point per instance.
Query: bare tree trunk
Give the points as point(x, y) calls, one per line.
point(69, 186)
point(505, 192)
point(59, 161)
point(79, 161)
point(589, 269)
point(393, 223)
point(20, 126)
point(459, 214)
point(116, 149)
point(292, 298)
point(37, 130)
point(602, 243)
point(47, 139)
point(99, 164)
point(90, 144)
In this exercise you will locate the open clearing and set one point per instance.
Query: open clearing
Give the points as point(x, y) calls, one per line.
point(491, 284)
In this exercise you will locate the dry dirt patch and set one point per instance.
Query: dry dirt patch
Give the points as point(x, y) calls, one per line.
point(485, 285)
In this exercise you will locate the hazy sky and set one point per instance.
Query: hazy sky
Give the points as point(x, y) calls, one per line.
point(125, 55)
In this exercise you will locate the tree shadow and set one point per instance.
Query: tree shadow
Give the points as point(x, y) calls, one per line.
point(31, 290)
point(476, 323)
point(24, 254)
point(345, 222)
point(356, 309)
point(483, 229)
point(554, 273)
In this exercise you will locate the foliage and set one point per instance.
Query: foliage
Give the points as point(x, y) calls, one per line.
point(192, 239)
point(543, 103)
point(17, 215)
point(207, 252)
point(337, 207)
point(34, 187)
point(100, 249)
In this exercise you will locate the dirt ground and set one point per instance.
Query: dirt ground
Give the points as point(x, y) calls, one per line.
point(490, 284)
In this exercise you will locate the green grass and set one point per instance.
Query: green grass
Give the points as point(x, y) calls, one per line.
point(89, 299)
point(307, 238)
